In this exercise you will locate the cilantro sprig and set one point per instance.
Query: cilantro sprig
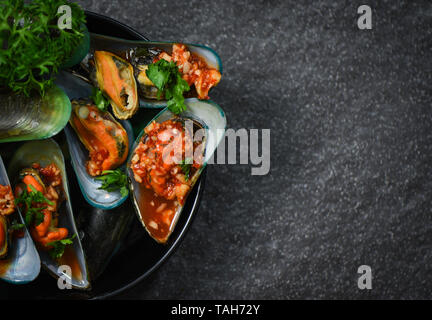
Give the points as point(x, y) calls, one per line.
point(33, 213)
point(32, 46)
point(167, 78)
point(99, 99)
point(186, 166)
point(113, 180)
point(58, 247)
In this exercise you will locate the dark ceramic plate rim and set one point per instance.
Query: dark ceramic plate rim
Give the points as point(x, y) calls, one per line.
point(135, 35)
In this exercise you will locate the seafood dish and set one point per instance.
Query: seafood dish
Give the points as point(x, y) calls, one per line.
point(91, 155)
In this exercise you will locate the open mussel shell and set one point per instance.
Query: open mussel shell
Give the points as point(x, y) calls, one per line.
point(208, 116)
point(21, 265)
point(35, 117)
point(76, 88)
point(46, 152)
point(89, 185)
point(141, 53)
point(115, 77)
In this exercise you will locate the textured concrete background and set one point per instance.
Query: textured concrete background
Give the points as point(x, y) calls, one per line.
point(351, 169)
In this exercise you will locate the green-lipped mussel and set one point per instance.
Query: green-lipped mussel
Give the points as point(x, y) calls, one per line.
point(38, 166)
point(199, 65)
point(31, 118)
point(19, 260)
point(76, 88)
point(105, 138)
point(115, 77)
point(166, 161)
point(108, 142)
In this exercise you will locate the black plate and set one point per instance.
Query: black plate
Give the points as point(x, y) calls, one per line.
point(140, 255)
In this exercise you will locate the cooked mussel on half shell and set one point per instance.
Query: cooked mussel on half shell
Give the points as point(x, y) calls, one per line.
point(115, 77)
point(199, 65)
point(193, 68)
point(97, 142)
point(42, 193)
point(168, 158)
point(19, 260)
point(34, 117)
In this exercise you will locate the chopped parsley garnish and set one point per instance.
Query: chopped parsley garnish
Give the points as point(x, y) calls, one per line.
point(186, 166)
point(58, 247)
point(113, 180)
point(100, 100)
point(33, 215)
point(167, 78)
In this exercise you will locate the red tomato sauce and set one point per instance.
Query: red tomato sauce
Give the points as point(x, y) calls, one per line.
point(158, 165)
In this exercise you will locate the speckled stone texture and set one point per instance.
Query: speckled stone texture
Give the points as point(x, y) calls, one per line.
point(351, 131)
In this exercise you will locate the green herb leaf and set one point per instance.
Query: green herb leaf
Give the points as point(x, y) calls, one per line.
point(28, 200)
point(167, 78)
point(100, 99)
point(114, 180)
point(58, 247)
point(186, 166)
point(32, 46)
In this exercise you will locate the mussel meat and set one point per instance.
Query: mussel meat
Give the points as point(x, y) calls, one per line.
point(46, 183)
point(115, 77)
point(105, 138)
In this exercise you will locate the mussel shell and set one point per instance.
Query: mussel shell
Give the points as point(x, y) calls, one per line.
point(109, 68)
point(46, 152)
point(76, 88)
point(22, 264)
point(143, 52)
point(103, 234)
point(89, 186)
point(32, 118)
point(211, 118)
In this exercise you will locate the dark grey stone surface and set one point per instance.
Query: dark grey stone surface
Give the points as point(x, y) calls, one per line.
point(351, 129)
